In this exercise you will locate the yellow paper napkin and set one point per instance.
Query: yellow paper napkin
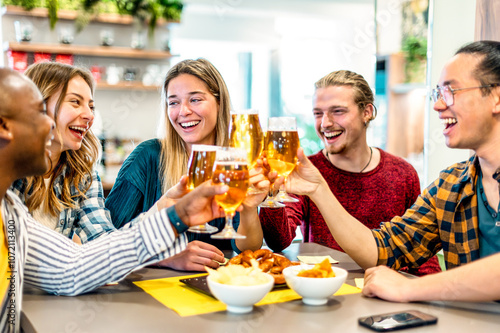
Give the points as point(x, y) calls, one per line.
point(188, 302)
point(316, 259)
point(360, 282)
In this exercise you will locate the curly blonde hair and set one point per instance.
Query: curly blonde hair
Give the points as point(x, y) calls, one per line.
point(174, 156)
point(50, 78)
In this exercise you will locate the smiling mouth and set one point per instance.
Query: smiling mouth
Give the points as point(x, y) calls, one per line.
point(189, 124)
point(81, 130)
point(448, 122)
point(331, 135)
point(48, 144)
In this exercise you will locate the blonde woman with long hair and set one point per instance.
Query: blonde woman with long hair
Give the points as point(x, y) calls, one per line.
point(69, 197)
point(196, 109)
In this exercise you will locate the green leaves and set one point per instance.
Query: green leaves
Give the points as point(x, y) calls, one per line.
point(52, 6)
point(147, 12)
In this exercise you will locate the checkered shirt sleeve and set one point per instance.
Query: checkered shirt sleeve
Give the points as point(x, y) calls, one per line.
point(93, 219)
point(443, 217)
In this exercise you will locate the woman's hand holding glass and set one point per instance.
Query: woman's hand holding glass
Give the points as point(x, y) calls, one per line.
point(173, 194)
point(261, 178)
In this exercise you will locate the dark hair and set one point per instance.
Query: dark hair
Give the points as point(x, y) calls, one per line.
point(488, 69)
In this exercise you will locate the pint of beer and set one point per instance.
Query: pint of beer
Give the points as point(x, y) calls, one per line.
point(234, 175)
point(282, 151)
point(246, 133)
point(201, 164)
point(231, 169)
point(281, 144)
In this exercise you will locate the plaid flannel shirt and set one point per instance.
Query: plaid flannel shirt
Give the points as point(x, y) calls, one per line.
point(443, 217)
point(89, 220)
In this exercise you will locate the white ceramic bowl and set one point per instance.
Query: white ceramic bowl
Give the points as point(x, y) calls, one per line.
point(314, 291)
point(240, 299)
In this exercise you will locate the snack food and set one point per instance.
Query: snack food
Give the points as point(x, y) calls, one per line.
point(266, 260)
point(237, 275)
point(321, 270)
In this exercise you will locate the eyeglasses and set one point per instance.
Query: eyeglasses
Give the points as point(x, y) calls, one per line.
point(446, 92)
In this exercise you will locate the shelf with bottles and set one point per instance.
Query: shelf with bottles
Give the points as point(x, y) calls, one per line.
point(127, 85)
point(85, 50)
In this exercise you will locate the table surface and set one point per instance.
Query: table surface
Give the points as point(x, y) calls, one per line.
point(127, 308)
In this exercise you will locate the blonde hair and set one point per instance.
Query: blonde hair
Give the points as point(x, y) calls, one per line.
point(50, 78)
point(363, 95)
point(174, 156)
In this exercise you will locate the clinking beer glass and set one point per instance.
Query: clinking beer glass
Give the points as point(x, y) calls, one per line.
point(200, 169)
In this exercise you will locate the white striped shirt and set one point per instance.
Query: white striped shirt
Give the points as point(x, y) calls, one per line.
point(54, 263)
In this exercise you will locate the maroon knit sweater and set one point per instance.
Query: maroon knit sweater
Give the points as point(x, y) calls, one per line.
point(372, 197)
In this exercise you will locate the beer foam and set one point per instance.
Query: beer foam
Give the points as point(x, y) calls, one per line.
point(245, 111)
point(204, 148)
point(232, 163)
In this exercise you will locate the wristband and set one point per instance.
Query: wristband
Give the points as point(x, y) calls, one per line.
point(176, 221)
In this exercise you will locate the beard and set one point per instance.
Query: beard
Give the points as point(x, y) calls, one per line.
point(335, 149)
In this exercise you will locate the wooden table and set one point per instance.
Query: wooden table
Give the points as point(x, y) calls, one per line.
point(126, 308)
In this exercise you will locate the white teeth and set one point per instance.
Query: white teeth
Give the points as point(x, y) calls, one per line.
point(78, 128)
point(447, 121)
point(332, 134)
point(189, 124)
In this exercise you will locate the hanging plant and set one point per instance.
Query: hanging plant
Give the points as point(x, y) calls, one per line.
point(28, 4)
point(415, 51)
point(147, 12)
point(85, 15)
point(52, 6)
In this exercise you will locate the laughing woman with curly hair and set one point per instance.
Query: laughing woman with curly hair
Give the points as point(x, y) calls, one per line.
point(69, 197)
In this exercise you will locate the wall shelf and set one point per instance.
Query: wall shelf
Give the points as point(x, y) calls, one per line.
point(94, 51)
point(126, 85)
point(71, 15)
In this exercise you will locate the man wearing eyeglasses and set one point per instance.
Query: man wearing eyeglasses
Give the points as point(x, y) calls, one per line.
point(459, 212)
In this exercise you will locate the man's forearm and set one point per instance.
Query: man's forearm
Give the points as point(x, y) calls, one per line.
point(355, 238)
point(474, 282)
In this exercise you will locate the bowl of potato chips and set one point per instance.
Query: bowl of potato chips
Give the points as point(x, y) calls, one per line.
point(239, 287)
point(315, 283)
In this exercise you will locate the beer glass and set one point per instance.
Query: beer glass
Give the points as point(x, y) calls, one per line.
point(270, 201)
point(200, 168)
point(246, 133)
point(231, 169)
point(282, 142)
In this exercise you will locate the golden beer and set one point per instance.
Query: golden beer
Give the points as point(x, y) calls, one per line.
point(200, 165)
point(235, 175)
point(281, 150)
point(246, 134)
